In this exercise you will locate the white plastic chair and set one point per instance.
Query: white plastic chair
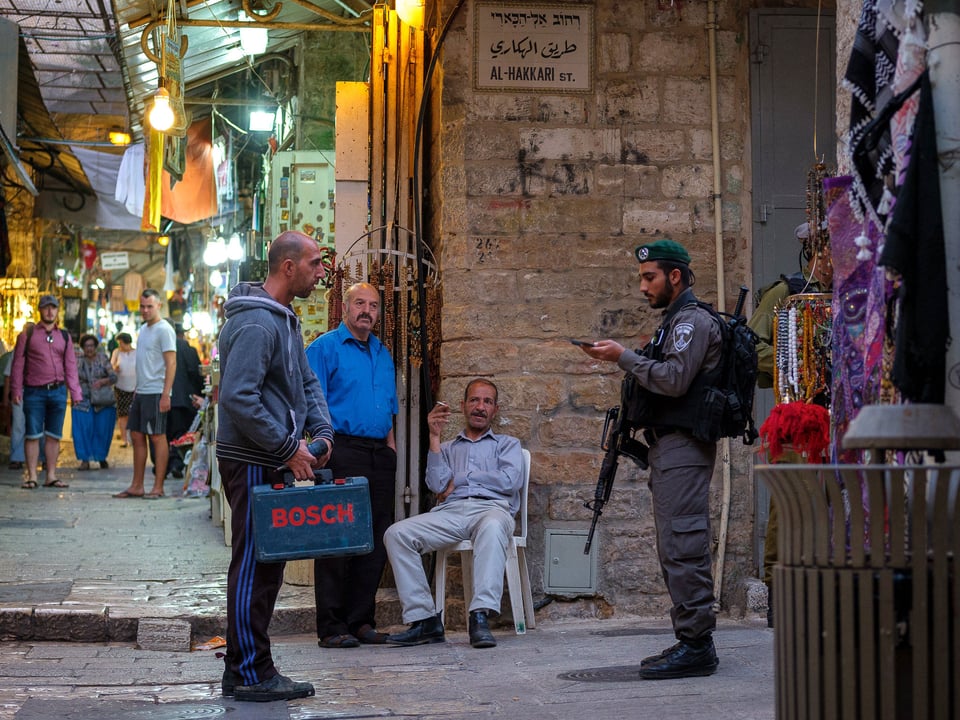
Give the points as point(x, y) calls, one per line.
point(518, 579)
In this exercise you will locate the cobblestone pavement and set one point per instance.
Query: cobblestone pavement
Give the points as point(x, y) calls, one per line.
point(79, 569)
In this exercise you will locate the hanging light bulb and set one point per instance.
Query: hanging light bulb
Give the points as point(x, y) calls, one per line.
point(216, 278)
point(253, 41)
point(411, 12)
point(234, 248)
point(161, 114)
point(163, 240)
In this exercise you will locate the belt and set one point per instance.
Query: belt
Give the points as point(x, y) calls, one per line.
point(357, 441)
point(48, 386)
point(652, 434)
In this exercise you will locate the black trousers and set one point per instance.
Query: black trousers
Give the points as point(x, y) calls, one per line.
point(252, 587)
point(346, 588)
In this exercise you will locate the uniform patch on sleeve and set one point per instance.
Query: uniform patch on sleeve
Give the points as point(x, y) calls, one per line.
point(682, 335)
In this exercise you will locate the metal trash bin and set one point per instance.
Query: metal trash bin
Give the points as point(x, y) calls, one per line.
point(867, 598)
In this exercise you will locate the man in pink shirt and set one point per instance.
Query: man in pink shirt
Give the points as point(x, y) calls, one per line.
point(44, 368)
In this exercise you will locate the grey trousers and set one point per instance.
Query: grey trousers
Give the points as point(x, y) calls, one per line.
point(487, 523)
point(680, 473)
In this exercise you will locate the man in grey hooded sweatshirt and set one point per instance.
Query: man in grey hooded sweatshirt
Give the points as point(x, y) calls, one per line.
point(269, 400)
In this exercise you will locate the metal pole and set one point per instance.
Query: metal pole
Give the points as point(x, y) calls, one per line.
point(943, 20)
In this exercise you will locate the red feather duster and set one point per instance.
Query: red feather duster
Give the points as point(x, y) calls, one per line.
point(804, 427)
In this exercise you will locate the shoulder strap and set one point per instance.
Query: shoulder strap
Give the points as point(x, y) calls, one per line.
point(67, 342)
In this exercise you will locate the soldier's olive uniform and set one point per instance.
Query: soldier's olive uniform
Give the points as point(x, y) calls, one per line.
point(681, 467)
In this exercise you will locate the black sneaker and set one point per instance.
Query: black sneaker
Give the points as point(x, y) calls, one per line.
point(480, 635)
point(276, 688)
point(421, 632)
point(659, 656)
point(104, 465)
point(228, 682)
point(691, 658)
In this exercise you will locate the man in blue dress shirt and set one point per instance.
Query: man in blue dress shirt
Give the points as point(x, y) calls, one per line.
point(359, 382)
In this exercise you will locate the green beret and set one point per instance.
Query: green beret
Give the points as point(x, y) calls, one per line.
point(663, 250)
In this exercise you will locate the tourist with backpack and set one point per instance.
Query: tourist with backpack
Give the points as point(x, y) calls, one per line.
point(673, 374)
point(44, 368)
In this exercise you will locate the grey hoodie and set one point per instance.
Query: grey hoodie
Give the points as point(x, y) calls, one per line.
point(269, 396)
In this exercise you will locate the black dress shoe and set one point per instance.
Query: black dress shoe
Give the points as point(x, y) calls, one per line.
point(480, 635)
point(691, 658)
point(276, 688)
point(421, 632)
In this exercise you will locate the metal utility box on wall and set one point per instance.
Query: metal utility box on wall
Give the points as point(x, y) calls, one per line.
point(567, 570)
point(302, 194)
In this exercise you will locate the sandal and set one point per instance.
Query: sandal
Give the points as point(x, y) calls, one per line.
point(84, 466)
point(29, 484)
point(127, 494)
point(153, 495)
point(56, 484)
point(339, 641)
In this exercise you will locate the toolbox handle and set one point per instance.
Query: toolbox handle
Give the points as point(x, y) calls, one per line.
point(321, 476)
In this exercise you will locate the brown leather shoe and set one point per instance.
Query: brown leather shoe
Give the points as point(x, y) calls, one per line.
point(367, 635)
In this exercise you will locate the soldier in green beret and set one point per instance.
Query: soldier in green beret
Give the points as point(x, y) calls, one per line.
point(673, 373)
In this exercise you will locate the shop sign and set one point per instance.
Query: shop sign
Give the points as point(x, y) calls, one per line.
point(520, 46)
point(115, 260)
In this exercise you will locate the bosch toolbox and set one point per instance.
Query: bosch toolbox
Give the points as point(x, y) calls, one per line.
point(329, 518)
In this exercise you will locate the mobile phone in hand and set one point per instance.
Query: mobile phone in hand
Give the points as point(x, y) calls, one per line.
point(582, 343)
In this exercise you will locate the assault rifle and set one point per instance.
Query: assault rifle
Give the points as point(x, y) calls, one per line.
point(617, 440)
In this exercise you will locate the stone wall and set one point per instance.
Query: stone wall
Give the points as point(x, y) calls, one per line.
point(538, 203)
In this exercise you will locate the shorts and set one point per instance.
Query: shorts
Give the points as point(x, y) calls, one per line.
point(124, 399)
point(44, 411)
point(145, 416)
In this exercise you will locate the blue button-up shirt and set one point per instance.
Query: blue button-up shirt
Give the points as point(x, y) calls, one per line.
point(358, 380)
point(488, 467)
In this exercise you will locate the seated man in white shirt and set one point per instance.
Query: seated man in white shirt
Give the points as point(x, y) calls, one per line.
point(477, 477)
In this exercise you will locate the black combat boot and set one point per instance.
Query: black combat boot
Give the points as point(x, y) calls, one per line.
point(421, 632)
point(689, 658)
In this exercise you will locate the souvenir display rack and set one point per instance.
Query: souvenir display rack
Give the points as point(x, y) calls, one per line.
point(801, 344)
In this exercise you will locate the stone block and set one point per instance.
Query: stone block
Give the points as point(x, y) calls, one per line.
point(654, 218)
point(686, 101)
point(16, 623)
point(620, 102)
point(494, 180)
point(663, 52)
point(564, 431)
point(561, 109)
point(687, 181)
point(571, 143)
point(77, 624)
point(500, 108)
point(490, 141)
point(655, 145)
point(613, 53)
point(167, 634)
point(752, 595)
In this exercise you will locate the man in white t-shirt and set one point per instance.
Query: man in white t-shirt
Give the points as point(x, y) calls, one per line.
point(156, 367)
